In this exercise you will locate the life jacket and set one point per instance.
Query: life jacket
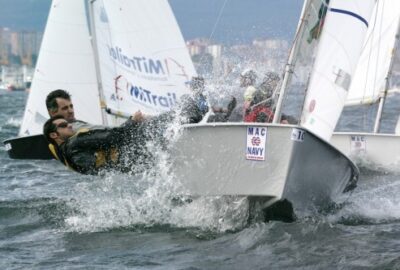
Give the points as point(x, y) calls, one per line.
point(56, 152)
point(103, 157)
point(259, 114)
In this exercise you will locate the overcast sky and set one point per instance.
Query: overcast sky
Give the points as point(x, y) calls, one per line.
point(241, 20)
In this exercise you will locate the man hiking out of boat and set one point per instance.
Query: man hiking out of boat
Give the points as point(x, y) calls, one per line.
point(124, 148)
point(220, 114)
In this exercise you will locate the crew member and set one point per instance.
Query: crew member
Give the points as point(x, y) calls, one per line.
point(248, 80)
point(58, 102)
point(261, 104)
point(220, 114)
point(261, 108)
point(124, 148)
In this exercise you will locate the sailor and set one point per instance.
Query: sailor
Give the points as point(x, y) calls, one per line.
point(269, 84)
point(261, 108)
point(197, 86)
point(248, 80)
point(261, 104)
point(58, 102)
point(220, 114)
point(123, 148)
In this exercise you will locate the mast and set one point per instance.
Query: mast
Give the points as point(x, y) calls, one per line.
point(96, 61)
point(385, 92)
point(289, 65)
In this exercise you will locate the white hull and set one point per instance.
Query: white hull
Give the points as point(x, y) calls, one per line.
point(378, 150)
point(210, 160)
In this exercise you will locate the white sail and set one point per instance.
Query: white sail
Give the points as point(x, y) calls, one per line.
point(373, 67)
point(143, 60)
point(339, 49)
point(66, 62)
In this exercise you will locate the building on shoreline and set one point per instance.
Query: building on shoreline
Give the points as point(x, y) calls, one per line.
point(19, 47)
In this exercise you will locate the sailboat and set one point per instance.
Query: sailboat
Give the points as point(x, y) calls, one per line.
point(286, 162)
point(371, 85)
point(139, 62)
point(67, 60)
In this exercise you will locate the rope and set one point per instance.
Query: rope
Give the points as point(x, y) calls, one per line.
point(215, 25)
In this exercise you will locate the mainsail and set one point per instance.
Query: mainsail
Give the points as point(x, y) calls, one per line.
point(143, 61)
point(339, 48)
point(373, 67)
point(65, 62)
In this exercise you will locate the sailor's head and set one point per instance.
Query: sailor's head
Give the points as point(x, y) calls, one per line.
point(57, 130)
point(58, 102)
point(197, 84)
point(269, 83)
point(248, 77)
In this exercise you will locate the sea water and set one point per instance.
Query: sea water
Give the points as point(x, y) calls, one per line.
point(52, 218)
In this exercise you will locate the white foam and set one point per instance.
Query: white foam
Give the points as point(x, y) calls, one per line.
point(16, 122)
point(120, 200)
point(376, 201)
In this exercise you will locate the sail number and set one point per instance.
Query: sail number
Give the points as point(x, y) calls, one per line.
point(298, 135)
point(358, 143)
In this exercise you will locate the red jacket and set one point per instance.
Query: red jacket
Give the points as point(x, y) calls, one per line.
point(259, 114)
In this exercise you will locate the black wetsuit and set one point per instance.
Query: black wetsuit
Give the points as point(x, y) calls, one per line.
point(122, 148)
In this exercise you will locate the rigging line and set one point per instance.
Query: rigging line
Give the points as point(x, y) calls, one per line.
point(215, 25)
point(218, 19)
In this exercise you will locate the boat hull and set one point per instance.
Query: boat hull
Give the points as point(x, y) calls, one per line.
point(378, 150)
point(210, 160)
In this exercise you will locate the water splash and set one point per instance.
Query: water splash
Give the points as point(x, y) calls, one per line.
point(151, 199)
point(375, 201)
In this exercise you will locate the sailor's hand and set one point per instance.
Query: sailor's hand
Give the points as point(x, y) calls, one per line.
point(232, 104)
point(138, 117)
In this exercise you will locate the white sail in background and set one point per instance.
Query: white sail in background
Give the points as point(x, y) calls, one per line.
point(373, 67)
point(144, 63)
point(339, 49)
point(66, 62)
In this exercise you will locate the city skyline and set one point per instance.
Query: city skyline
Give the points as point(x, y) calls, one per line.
point(225, 21)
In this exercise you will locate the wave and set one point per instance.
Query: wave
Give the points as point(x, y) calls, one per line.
point(32, 213)
point(14, 122)
point(375, 201)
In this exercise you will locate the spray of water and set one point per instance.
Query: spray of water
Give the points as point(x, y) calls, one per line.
point(151, 198)
point(375, 201)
